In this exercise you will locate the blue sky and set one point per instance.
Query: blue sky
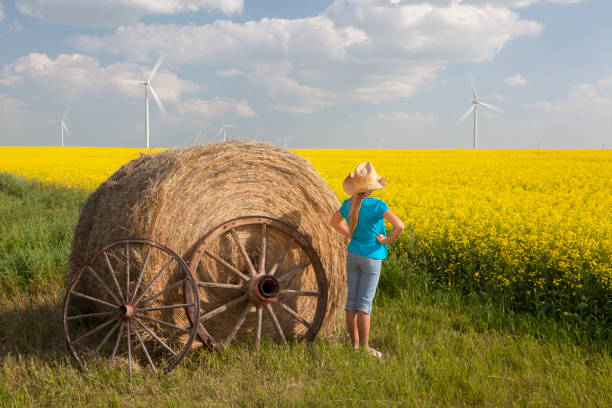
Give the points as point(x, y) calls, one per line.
point(335, 73)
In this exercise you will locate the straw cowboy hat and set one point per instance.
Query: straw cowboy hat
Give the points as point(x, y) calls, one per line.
point(363, 179)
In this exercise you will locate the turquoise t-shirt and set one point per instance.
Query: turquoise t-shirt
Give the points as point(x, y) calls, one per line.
point(370, 224)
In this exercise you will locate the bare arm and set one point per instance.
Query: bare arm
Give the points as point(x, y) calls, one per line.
point(398, 227)
point(339, 224)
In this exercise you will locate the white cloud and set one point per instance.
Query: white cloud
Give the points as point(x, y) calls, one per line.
point(454, 31)
point(588, 99)
point(515, 80)
point(16, 26)
point(230, 72)
point(109, 13)
point(286, 93)
point(225, 42)
point(363, 50)
point(217, 107)
point(78, 74)
point(503, 3)
point(406, 117)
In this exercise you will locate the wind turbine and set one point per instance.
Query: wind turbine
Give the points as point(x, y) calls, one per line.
point(63, 126)
point(285, 140)
point(148, 87)
point(224, 126)
point(474, 108)
point(199, 137)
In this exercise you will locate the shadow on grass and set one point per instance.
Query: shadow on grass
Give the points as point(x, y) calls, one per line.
point(32, 328)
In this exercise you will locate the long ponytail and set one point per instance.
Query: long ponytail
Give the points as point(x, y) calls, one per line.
point(356, 201)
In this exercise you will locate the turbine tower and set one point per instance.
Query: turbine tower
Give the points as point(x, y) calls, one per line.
point(148, 87)
point(474, 108)
point(224, 126)
point(63, 126)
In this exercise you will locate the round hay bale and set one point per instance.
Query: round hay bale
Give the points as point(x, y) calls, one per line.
point(175, 197)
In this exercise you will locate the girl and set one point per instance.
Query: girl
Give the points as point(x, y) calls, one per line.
point(365, 226)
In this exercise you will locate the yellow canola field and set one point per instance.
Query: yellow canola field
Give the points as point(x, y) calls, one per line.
point(80, 167)
point(534, 226)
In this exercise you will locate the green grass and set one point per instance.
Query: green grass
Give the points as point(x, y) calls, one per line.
point(442, 348)
point(36, 226)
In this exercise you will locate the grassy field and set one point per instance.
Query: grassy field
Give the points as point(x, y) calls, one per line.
point(442, 348)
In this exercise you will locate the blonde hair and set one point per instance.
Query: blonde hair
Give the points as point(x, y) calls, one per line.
point(356, 201)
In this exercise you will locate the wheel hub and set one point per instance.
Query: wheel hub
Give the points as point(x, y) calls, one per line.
point(127, 311)
point(264, 288)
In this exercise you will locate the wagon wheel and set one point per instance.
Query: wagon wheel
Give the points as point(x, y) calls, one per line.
point(251, 264)
point(125, 307)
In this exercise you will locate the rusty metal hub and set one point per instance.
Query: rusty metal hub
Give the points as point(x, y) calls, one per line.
point(127, 311)
point(263, 288)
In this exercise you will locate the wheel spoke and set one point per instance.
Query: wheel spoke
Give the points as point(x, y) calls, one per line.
point(282, 256)
point(258, 326)
point(104, 340)
point(294, 314)
point(129, 348)
point(276, 324)
point(99, 279)
point(127, 281)
point(93, 299)
point(294, 270)
point(94, 330)
point(145, 351)
point(237, 325)
point(168, 289)
point(156, 338)
point(252, 270)
point(162, 322)
point(227, 265)
point(219, 285)
point(91, 315)
point(223, 308)
point(144, 292)
point(144, 266)
point(112, 273)
point(298, 292)
point(165, 307)
point(262, 251)
point(292, 260)
point(117, 343)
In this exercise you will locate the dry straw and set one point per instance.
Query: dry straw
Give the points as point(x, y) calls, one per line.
point(176, 196)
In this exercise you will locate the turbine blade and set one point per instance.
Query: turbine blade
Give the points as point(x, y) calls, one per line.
point(161, 107)
point(160, 61)
point(66, 128)
point(490, 107)
point(66, 114)
point(219, 132)
point(473, 87)
point(465, 115)
point(128, 81)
